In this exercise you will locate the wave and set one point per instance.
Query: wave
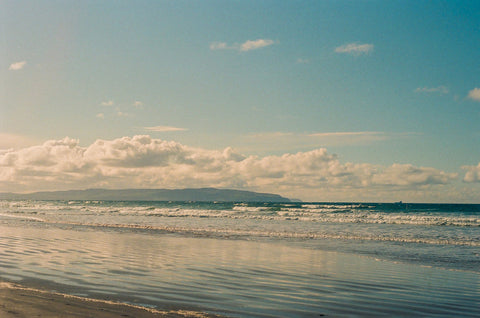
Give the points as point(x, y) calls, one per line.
point(315, 214)
point(266, 233)
point(24, 217)
point(428, 224)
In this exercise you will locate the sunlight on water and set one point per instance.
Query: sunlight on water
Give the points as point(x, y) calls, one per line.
point(240, 278)
point(446, 236)
point(289, 260)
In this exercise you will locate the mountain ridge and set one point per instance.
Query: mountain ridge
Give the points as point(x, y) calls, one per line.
point(188, 194)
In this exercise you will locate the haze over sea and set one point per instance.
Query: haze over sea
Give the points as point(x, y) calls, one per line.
point(251, 259)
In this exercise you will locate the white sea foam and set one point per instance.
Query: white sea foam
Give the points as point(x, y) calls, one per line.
point(322, 213)
point(16, 216)
point(353, 222)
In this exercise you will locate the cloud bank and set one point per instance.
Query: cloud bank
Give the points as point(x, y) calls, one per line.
point(472, 174)
point(145, 162)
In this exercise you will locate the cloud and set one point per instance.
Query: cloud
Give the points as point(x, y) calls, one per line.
point(256, 44)
point(145, 162)
point(100, 115)
point(409, 175)
point(164, 128)
point(472, 174)
point(439, 89)
point(17, 66)
point(355, 48)
point(243, 47)
point(107, 103)
point(474, 94)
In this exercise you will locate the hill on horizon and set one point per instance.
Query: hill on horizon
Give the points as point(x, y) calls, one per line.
point(193, 194)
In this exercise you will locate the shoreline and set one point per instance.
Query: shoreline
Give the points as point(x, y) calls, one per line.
point(182, 276)
point(20, 301)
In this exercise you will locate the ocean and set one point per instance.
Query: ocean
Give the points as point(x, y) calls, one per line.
point(251, 259)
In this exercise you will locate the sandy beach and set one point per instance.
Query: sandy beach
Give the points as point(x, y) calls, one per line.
point(17, 301)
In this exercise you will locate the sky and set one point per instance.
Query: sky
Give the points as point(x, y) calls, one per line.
point(316, 100)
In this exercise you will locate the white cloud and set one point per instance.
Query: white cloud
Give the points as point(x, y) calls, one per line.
point(244, 47)
point(107, 103)
point(164, 128)
point(17, 66)
point(256, 44)
point(355, 48)
point(439, 89)
point(408, 175)
point(100, 115)
point(145, 162)
point(474, 94)
point(472, 174)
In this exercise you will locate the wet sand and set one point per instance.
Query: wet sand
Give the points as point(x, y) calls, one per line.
point(18, 302)
point(239, 278)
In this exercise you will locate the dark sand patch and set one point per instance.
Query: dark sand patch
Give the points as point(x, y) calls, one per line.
point(20, 302)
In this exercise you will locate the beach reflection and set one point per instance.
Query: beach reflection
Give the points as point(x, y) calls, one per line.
point(239, 278)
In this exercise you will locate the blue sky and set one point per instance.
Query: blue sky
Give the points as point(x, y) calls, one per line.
point(384, 86)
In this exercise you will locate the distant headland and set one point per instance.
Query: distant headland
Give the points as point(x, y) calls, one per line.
point(199, 194)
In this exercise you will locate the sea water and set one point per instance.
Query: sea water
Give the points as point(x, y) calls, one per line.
point(251, 259)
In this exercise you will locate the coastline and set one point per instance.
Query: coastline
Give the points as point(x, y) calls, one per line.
point(236, 260)
point(19, 301)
